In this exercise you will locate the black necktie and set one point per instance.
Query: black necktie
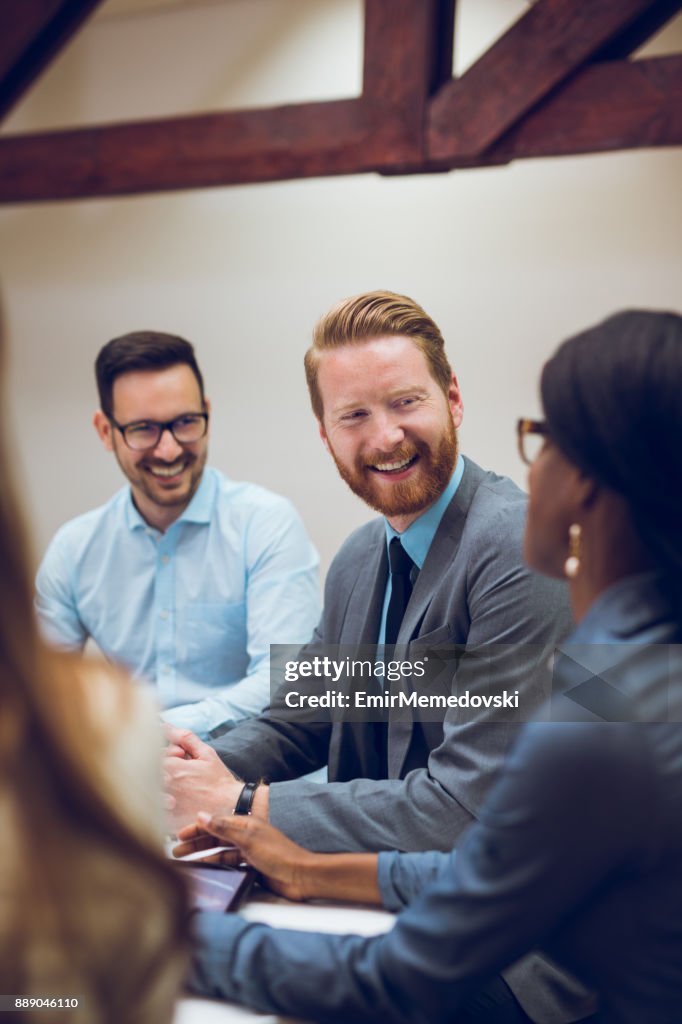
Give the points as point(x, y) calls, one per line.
point(401, 588)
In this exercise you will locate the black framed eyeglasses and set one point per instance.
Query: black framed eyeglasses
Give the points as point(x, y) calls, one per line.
point(531, 435)
point(144, 435)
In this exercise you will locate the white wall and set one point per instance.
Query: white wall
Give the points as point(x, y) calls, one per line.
point(507, 260)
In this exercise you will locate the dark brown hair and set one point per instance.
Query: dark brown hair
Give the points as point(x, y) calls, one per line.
point(612, 400)
point(141, 350)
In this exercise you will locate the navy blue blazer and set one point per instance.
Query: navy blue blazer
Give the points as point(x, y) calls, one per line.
point(578, 851)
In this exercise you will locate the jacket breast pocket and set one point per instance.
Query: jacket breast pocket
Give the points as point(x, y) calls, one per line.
point(437, 638)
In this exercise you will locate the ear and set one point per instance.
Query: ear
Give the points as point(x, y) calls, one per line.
point(207, 408)
point(581, 493)
point(587, 490)
point(104, 430)
point(455, 402)
point(323, 434)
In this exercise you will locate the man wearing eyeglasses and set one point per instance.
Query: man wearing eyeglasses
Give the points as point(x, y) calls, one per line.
point(184, 575)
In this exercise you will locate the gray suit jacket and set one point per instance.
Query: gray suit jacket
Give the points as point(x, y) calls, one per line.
point(579, 850)
point(473, 590)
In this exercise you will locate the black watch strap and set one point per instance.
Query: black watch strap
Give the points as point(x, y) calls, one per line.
point(245, 799)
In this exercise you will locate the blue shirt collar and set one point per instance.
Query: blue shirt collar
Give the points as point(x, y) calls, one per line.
point(198, 510)
point(419, 535)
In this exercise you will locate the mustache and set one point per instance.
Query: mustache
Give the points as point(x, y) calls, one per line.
point(401, 454)
point(187, 459)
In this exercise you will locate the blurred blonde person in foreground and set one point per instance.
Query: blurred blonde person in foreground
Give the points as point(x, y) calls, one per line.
point(90, 911)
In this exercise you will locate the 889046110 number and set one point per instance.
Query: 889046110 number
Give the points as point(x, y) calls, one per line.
point(38, 1003)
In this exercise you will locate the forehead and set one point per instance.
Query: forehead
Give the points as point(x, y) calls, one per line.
point(155, 394)
point(370, 369)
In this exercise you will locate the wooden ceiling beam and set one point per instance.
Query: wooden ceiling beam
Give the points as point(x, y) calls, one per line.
point(31, 33)
point(407, 49)
point(622, 45)
point(539, 96)
point(231, 148)
point(605, 107)
point(609, 106)
point(543, 48)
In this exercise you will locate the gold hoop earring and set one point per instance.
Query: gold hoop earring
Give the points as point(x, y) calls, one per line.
point(572, 563)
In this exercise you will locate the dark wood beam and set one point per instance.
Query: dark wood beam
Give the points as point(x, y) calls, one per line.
point(445, 44)
point(407, 47)
point(543, 48)
point(398, 125)
point(236, 147)
point(622, 45)
point(606, 107)
point(31, 33)
point(616, 105)
point(611, 106)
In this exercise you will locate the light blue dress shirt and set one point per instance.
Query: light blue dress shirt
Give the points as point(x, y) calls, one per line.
point(418, 537)
point(193, 609)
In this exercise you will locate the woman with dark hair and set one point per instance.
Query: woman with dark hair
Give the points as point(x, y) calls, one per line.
point(578, 851)
point(93, 917)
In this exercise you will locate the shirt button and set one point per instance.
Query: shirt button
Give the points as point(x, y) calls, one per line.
point(163, 614)
point(166, 669)
point(165, 559)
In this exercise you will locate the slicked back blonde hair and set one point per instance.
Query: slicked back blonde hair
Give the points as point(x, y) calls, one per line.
point(373, 315)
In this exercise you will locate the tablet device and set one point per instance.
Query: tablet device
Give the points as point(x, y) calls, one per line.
point(213, 887)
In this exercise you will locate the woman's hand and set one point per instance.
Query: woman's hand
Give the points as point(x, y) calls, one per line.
point(281, 863)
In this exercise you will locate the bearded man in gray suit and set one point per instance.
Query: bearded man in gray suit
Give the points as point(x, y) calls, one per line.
point(388, 406)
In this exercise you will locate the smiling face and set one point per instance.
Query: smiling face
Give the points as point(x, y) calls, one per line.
point(388, 425)
point(165, 478)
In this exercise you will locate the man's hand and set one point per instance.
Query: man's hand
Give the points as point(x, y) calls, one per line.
point(195, 777)
point(282, 864)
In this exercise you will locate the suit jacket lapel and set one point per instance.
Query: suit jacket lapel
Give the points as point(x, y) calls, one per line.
point(439, 558)
point(353, 746)
point(442, 552)
point(367, 598)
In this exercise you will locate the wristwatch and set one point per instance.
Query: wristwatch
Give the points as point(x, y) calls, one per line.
point(244, 802)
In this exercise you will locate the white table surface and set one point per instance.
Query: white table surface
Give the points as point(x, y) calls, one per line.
point(320, 916)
